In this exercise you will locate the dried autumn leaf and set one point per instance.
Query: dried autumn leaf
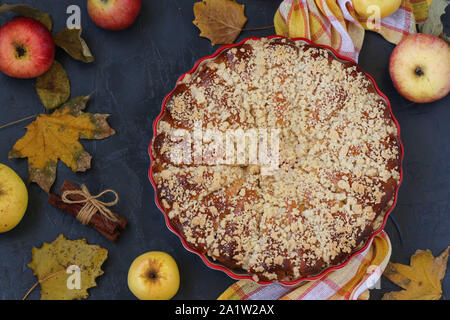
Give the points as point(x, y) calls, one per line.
point(433, 25)
point(53, 87)
point(221, 21)
point(29, 12)
point(50, 264)
point(70, 41)
point(421, 280)
point(53, 137)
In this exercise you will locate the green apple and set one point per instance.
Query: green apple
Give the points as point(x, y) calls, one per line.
point(13, 199)
point(154, 276)
point(364, 8)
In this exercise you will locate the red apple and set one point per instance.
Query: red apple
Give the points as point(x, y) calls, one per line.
point(420, 68)
point(114, 14)
point(27, 49)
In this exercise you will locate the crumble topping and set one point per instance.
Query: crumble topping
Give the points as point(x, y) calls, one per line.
point(338, 170)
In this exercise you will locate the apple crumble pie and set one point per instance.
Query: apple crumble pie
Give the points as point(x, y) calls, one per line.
point(337, 172)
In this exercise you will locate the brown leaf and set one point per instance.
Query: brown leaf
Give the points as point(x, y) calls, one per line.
point(221, 21)
point(70, 41)
point(421, 280)
point(53, 137)
point(29, 12)
point(53, 87)
point(433, 25)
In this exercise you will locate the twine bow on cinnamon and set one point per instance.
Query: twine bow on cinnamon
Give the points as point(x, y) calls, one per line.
point(91, 204)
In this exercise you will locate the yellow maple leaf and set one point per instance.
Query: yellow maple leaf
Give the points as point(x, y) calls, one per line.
point(53, 137)
point(421, 280)
point(221, 21)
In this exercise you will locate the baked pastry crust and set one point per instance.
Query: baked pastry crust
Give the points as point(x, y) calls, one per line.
point(338, 171)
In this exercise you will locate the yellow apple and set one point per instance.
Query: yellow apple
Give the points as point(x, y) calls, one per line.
point(364, 8)
point(154, 276)
point(13, 199)
point(420, 68)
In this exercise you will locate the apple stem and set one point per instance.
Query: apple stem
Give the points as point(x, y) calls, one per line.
point(20, 51)
point(419, 71)
point(17, 121)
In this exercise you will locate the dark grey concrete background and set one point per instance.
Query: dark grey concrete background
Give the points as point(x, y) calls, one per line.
point(133, 71)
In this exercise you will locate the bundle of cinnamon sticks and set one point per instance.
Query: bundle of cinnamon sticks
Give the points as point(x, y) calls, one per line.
point(109, 229)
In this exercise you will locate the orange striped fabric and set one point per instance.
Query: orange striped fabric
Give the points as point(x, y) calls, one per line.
point(336, 24)
point(351, 282)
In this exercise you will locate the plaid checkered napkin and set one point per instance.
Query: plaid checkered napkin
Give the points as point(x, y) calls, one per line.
point(335, 23)
point(348, 283)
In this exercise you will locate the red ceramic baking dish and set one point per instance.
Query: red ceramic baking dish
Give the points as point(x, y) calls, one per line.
point(241, 274)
